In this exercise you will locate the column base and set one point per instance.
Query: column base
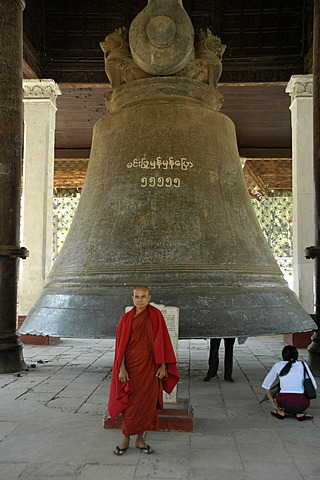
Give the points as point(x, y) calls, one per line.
point(11, 358)
point(298, 340)
point(172, 418)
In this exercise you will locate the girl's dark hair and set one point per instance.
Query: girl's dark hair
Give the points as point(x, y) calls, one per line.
point(290, 354)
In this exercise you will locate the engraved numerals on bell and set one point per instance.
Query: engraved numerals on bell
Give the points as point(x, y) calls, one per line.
point(160, 182)
point(160, 163)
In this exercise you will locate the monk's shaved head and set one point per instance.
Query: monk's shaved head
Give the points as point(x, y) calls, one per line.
point(141, 287)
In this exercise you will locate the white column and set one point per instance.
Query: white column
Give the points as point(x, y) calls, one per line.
point(37, 194)
point(300, 88)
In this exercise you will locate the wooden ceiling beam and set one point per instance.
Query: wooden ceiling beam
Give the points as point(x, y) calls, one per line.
point(72, 153)
point(266, 153)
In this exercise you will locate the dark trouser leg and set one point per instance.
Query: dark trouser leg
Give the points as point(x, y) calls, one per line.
point(228, 358)
point(213, 358)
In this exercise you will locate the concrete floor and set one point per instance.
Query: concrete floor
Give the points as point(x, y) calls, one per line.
point(51, 420)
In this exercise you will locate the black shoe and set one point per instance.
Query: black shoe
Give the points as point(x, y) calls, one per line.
point(229, 379)
point(207, 377)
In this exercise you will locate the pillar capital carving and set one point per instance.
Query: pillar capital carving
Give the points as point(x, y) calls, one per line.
point(300, 86)
point(41, 89)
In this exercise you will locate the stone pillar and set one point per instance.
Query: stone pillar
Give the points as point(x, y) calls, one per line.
point(314, 252)
point(11, 358)
point(300, 88)
point(37, 200)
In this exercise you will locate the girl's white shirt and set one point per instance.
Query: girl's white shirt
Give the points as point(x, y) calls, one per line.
point(290, 383)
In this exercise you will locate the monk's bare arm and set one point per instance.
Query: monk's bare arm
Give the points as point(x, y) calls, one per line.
point(123, 373)
point(162, 371)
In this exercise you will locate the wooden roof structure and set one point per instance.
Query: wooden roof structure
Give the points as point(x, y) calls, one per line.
point(267, 42)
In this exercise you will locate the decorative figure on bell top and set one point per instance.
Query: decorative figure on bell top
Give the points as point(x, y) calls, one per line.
point(119, 64)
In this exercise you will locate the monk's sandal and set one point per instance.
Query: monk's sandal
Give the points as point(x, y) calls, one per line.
point(147, 449)
point(119, 451)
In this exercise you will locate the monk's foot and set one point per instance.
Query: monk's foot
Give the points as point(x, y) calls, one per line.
point(124, 445)
point(141, 444)
point(119, 451)
point(146, 449)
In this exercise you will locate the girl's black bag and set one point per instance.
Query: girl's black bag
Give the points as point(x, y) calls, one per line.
point(309, 389)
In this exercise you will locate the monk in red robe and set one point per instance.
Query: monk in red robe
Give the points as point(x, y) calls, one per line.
point(144, 366)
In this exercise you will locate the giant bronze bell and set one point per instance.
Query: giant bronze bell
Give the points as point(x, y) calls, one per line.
point(164, 202)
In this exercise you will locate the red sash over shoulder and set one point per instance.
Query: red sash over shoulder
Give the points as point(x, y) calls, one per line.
point(163, 353)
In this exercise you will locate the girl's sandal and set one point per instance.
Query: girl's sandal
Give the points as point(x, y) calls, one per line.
point(277, 415)
point(305, 416)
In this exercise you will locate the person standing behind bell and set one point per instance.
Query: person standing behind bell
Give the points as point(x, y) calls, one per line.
point(228, 357)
